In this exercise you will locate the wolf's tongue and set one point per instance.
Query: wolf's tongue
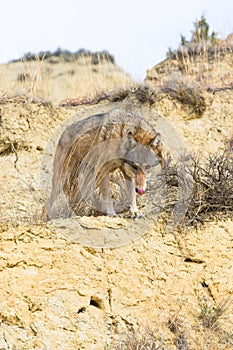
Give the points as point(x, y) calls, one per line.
point(140, 190)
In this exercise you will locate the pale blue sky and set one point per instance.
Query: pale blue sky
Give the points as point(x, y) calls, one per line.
point(137, 32)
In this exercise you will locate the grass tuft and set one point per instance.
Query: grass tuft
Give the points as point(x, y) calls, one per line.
point(209, 314)
point(186, 93)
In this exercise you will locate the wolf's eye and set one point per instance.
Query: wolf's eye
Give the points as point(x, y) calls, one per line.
point(134, 166)
point(147, 166)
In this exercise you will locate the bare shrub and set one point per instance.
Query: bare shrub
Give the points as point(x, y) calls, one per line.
point(212, 182)
point(213, 186)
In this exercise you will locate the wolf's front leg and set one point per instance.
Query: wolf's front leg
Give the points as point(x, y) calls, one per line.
point(133, 209)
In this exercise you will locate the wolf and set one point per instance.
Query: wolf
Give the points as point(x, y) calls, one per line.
point(91, 152)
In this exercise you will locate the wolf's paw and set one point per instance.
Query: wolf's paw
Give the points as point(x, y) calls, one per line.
point(112, 214)
point(135, 214)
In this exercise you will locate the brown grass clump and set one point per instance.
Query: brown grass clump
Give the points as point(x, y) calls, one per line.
point(183, 90)
point(186, 93)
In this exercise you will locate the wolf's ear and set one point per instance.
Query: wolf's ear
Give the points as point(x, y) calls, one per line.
point(127, 143)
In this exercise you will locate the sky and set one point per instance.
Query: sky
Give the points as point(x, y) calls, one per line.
point(137, 32)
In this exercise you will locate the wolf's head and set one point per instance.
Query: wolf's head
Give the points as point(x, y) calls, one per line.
point(138, 163)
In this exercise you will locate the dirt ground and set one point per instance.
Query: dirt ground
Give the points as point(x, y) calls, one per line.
point(59, 294)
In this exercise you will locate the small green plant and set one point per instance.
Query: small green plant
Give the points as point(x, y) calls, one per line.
point(201, 32)
point(210, 314)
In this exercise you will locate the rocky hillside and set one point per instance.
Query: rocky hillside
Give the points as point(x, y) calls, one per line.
point(171, 289)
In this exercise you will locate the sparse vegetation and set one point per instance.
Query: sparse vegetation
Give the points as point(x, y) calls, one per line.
point(148, 339)
point(68, 56)
point(200, 58)
point(141, 93)
point(211, 316)
point(189, 94)
point(202, 42)
point(150, 277)
point(207, 321)
point(176, 326)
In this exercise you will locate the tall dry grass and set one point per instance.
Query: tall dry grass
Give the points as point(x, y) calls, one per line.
point(56, 79)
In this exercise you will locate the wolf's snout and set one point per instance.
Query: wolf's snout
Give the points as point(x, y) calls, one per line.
point(140, 190)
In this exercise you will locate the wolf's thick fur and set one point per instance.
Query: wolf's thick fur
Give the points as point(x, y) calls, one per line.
point(90, 150)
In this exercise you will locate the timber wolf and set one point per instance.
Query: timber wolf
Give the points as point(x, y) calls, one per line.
point(90, 151)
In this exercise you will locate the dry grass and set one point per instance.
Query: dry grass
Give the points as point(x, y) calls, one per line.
point(187, 93)
point(211, 68)
point(204, 331)
point(148, 339)
point(208, 70)
point(209, 74)
point(140, 93)
point(176, 326)
point(54, 81)
point(203, 56)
